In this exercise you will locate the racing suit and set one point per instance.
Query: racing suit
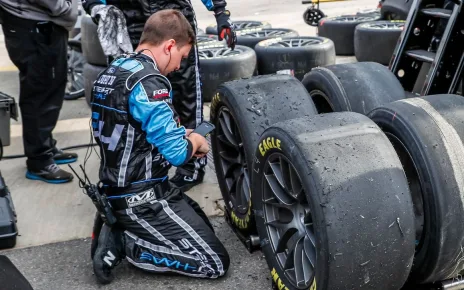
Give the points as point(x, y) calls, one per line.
point(139, 135)
point(186, 84)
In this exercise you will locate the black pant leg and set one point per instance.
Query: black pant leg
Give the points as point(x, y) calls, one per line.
point(169, 236)
point(196, 207)
point(41, 58)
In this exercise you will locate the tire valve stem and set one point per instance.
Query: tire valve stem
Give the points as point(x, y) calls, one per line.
point(399, 226)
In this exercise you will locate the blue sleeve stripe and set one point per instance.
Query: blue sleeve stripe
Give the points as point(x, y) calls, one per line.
point(209, 4)
point(108, 108)
point(157, 121)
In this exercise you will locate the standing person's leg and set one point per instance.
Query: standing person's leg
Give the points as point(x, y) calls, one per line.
point(40, 53)
point(188, 102)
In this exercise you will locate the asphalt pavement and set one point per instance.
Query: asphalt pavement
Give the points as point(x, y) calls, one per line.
point(67, 265)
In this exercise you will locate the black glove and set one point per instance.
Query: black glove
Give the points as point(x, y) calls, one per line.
point(225, 28)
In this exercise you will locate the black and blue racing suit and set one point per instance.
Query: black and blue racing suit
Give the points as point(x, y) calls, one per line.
point(140, 138)
point(186, 83)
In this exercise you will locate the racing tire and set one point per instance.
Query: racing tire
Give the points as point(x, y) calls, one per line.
point(357, 87)
point(299, 54)
point(221, 64)
point(240, 26)
point(340, 29)
point(208, 40)
point(428, 135)
point(91, 47)
point(376, 41)
point(332, 202)
point(241, 110)
point(90, 76)
point(251, 38)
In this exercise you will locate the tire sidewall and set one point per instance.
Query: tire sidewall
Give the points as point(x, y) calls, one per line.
point(224, 98)
point(239, 66)
point(322, 80)
point(285, 144)
point(320, 54)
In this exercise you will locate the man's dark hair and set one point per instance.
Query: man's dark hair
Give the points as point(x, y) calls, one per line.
point(167, 24)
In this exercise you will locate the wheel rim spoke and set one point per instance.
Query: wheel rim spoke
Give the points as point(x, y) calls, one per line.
point(233, 162)
point(289, 221)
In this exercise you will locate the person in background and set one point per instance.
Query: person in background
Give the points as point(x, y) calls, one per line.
point(186, 85)
point(36, 34)
point(158, 228)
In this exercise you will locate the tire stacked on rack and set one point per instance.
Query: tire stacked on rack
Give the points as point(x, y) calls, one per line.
point(376, 41)
point(340, 29)
point(427, 134)
point(297, 54)
point(322, 187)
point(96, 61)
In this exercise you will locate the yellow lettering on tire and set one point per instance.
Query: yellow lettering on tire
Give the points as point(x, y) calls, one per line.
point(269, 143)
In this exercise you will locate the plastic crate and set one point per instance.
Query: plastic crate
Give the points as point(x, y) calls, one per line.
point(8, 109)
point(8, 218)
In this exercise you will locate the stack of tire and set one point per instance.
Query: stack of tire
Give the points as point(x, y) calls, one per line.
point(364, 35)
point(348, 183)
point(262, 50)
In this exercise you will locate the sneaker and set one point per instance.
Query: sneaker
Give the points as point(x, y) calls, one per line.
point(108, 254)
point(184, 182)
point(51, 174)
point(97, 226)
point(62, 157)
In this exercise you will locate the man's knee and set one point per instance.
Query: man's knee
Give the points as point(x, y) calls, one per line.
point(222, 267)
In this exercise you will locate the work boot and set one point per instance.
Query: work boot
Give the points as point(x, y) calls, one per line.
point(97, 226)
point(62, 157)
point(51, 174)
point(109, 253)
point(184, 182)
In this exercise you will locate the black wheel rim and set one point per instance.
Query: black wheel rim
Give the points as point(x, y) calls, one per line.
point(415, 188)
point(204, 38)
point(312, 16)
point(352, 18)
point(297, 42)
point(75, 83)
point(266, 33)
point(248, 24)
point(232, 161)
point(289, 221)
point(385, 25)
point(215, 52)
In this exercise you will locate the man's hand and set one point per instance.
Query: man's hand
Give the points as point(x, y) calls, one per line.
point(188, 131)
point(225, 28)
point(199, 143)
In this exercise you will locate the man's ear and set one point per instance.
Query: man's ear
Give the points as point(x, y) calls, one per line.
point(169, 45)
